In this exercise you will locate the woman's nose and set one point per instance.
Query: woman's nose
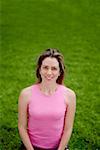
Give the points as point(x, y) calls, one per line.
point(49, 71)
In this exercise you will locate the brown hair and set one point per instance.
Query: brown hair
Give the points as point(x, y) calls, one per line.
point(51, 52)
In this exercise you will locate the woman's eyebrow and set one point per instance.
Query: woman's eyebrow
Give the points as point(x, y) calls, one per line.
point(45, 65)
point(51, 66)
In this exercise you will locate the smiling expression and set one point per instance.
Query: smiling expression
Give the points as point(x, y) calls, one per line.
point(49, 70)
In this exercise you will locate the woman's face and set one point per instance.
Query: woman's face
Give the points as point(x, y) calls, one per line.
point(49, 70)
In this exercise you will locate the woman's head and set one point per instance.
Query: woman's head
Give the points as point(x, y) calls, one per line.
point(57, 58)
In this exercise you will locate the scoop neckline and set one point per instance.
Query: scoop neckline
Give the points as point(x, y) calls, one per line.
point(43, 94)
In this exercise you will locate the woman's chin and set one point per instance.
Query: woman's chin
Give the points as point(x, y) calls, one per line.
point(48, 80)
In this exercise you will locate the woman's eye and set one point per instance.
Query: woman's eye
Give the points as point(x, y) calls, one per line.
point(45, 67)
point(54, 68)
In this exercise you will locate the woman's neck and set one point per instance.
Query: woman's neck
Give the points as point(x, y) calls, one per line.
point(48, 89)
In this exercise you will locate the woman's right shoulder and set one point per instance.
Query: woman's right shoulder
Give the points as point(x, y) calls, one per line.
point(26, 90)
point(25, 93)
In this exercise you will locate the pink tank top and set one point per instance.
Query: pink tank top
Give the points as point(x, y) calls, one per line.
point(46, 117)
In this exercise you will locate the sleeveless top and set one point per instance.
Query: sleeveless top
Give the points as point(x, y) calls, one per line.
point(46, 117)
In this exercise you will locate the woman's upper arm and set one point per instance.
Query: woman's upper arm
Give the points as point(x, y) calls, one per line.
point(22, 109)
point(71, 108)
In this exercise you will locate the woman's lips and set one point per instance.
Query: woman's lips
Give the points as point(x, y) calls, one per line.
point(49, 78)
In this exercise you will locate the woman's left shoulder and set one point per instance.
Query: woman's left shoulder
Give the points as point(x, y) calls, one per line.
point(69, 94)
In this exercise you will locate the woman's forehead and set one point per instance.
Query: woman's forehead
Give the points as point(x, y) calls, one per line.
point(50, 61)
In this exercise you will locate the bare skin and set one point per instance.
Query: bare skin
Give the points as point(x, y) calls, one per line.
point(49, 72)
point(69, 119)
point(22, 117)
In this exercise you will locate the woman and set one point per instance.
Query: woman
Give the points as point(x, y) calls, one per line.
point(46, 109)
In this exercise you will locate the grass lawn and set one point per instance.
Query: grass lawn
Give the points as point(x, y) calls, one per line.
point(27, 28)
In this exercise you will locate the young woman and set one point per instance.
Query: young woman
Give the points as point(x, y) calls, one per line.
point(46, 109)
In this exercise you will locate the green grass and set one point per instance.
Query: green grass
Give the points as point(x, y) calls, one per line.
point(27, 28)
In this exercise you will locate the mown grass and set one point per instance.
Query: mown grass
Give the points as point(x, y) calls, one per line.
point(27, 28)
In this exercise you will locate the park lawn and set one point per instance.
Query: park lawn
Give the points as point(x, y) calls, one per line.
point(29, 27)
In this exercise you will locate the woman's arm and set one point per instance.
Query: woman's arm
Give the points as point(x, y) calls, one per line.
point(69, 119)
point(22, 119)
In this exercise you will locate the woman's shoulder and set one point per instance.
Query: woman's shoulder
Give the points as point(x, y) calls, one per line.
point(68, 90)
point(26, 92)
point(69, 93)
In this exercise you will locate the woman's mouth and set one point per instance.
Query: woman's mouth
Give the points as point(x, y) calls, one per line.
point(49, 78)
